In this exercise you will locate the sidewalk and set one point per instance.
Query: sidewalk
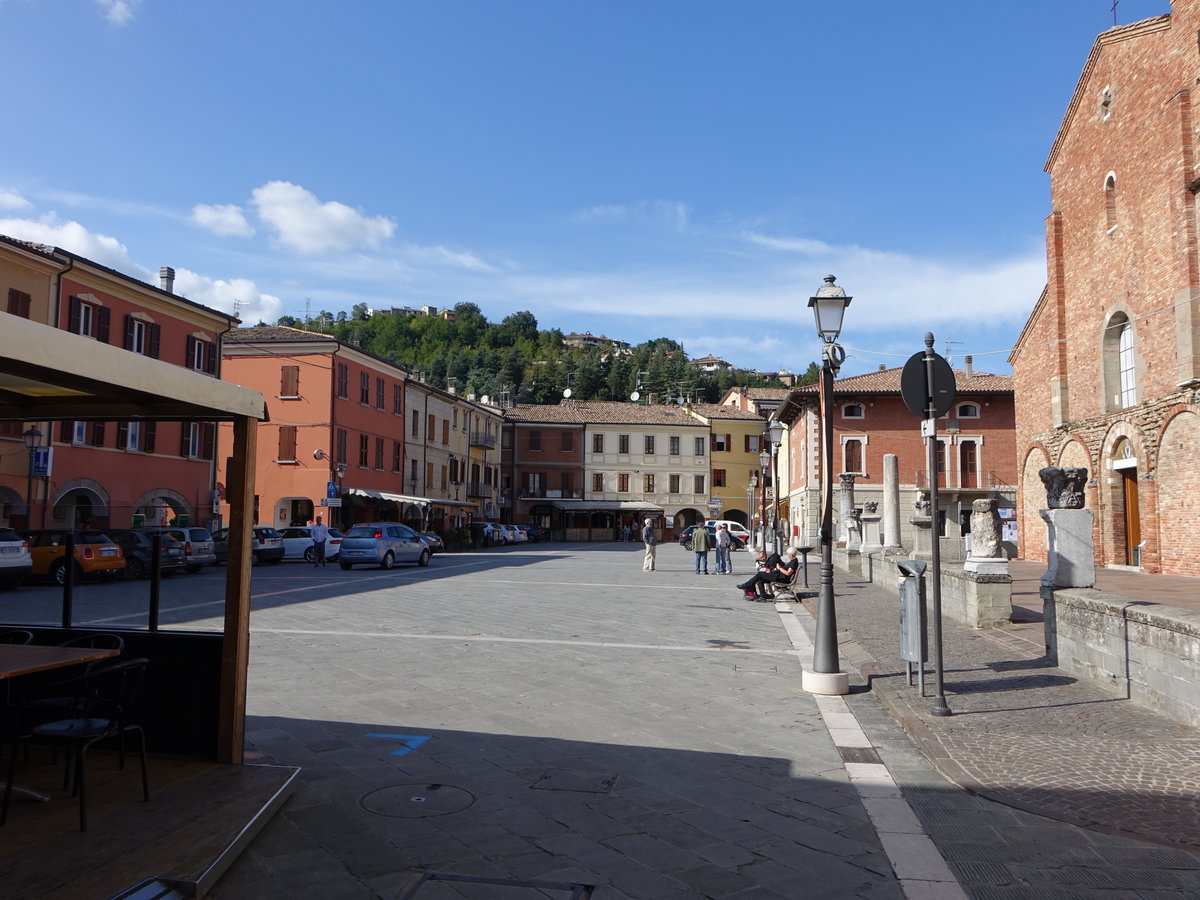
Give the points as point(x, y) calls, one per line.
point(1025, 733)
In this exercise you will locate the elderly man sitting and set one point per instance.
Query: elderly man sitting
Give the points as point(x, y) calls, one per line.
point(782, 572)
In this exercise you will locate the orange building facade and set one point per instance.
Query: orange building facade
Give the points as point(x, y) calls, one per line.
point(97, 473)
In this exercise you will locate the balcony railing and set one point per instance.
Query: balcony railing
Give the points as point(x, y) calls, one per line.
point(479, 489)
point(543, 494)
point(484, 439)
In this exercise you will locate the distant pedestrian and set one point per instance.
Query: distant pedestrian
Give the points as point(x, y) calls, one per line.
point(318, 533)
point(724, 542)
point(626, 533)
point(701, 542)
point(650, 539)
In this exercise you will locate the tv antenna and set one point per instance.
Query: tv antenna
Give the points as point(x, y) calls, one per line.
point(567, 393)
point(949, 357)
point(635, 396)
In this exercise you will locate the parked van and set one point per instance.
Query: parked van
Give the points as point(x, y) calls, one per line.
point(734, 527)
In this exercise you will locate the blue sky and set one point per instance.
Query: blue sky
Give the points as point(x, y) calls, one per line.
point(633, 168)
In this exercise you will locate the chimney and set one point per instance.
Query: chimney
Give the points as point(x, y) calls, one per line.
point(967, 361)
point(166, 279)
point(883, 367)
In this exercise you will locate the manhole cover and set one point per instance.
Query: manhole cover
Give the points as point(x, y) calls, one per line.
point(416, 801)
point(575, 780)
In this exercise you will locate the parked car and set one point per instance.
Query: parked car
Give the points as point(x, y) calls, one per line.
point(298, 543)
point(433, 541)
point(197, 545)
point(137, 546)
point(266, 545)
point(533, 533)
point(736, 542)
point(95, 554)
point(487, 534)
point(384, 544)
point(15, 561)
point(514, 535)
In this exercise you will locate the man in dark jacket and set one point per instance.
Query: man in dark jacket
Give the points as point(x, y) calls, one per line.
point(774, 571)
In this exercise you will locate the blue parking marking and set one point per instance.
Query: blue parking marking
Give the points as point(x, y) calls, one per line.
point(411, 742)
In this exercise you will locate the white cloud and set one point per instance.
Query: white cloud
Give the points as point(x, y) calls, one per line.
point(455, 258)
point(13, 200)
point(661, 213)
point(807, 246)
point(224, 220)
point(303, 223)
point(251, 304)
point(119, 12)
point(74, 237)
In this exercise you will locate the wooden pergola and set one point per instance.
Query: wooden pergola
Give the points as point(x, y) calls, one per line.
point(48, 374)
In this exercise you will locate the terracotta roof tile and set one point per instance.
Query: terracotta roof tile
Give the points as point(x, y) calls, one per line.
point(717, 411)
point(887, 381)
point(274, 333)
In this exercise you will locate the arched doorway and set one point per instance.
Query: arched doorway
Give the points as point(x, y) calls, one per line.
point(80, 504)
point(1127, 519)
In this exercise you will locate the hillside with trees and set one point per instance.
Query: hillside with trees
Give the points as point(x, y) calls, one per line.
point(517, 361)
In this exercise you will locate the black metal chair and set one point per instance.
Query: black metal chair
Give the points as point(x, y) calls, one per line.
point(109, 695)
point(16, 636)
point(101, 640)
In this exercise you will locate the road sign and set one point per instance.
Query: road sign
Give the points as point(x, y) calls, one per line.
point(331, 501)
point(917, 394)
point(331, 489)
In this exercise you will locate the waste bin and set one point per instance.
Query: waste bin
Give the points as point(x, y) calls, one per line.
point(914, 646)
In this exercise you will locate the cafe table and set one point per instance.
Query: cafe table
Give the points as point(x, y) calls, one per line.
point(26, 659)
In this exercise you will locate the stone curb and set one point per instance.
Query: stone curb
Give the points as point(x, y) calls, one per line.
point(955, 770)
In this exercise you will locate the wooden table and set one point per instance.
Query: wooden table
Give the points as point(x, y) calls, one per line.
point(25, 659)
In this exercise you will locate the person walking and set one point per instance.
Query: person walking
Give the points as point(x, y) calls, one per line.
point(318, 533)
point(701, 542)
point(625, 534)
point(650, 539)
point(723, 547)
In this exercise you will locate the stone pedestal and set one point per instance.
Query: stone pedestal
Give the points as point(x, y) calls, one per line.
point(1070, 552)
point(854, 533)
point(986, 565)
point(871, 537)
point(922, 537)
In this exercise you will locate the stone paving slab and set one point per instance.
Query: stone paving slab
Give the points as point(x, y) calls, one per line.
point(1026, 733)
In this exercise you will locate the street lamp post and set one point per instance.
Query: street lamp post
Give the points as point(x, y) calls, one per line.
point(775, 431)
point(764, 460)
point(751, 486)
point(33, 440)
point(828, 306)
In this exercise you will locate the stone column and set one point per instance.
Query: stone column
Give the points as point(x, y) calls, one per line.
point(891, 504)
point(846, 520)
point(986, 556)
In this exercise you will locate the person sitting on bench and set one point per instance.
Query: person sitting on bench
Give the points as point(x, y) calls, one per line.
point(783, 572)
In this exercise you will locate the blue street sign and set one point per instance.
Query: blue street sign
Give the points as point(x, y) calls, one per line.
point(331, 489)
point(41, 461)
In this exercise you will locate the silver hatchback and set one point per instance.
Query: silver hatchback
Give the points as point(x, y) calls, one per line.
point(383, 544)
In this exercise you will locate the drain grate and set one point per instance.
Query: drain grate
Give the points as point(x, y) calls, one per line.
point(575, 780)
point(417, 801)
point(859, 755)
point(431, 881)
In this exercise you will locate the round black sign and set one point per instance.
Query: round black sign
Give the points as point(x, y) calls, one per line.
point(919, 396)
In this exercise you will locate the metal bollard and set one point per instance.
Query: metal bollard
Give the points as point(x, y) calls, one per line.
point(914, 646)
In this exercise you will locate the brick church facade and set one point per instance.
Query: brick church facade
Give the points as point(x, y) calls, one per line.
point(1107, 368)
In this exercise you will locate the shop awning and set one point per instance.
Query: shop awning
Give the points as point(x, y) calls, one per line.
point(388, 495)
point(621, 505)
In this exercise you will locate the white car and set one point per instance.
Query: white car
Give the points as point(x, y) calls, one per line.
point(298, 543)
point(15, 561)
point(513, 534)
